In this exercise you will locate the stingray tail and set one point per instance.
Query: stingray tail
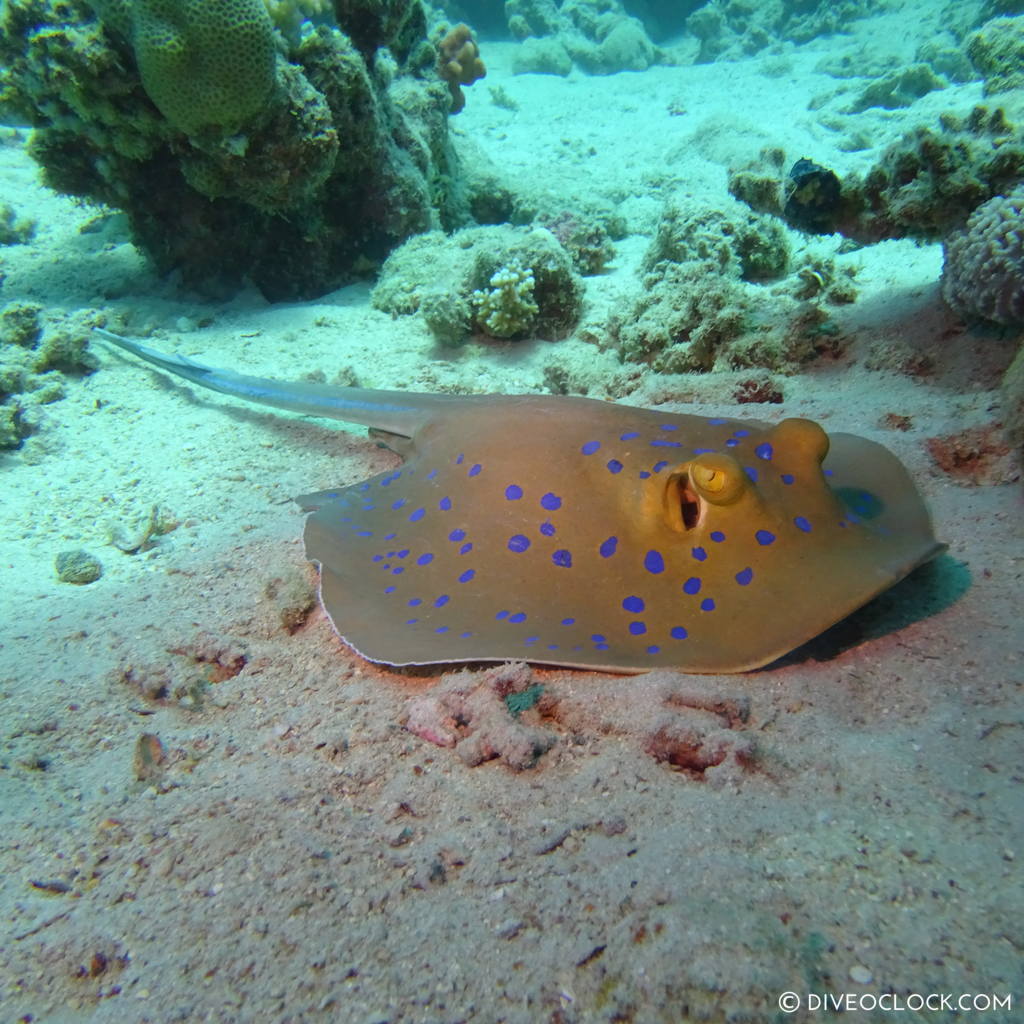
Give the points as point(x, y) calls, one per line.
point(396, 412)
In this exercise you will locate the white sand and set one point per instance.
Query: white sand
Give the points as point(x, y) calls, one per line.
point(301, 856)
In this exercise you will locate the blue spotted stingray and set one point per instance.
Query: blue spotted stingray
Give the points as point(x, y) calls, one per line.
point(575, 532)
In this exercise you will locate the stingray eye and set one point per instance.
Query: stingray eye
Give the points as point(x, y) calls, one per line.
point(717, 478)
point(707, 480)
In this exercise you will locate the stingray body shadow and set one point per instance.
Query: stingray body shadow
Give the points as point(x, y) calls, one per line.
point(576, 532)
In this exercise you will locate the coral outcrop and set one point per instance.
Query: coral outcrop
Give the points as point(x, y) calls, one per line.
point(293, 149)
point(700, 306)
point(997, 51)
point(983, 264)
point(924, 186)
point(499, 282)
point(37, 356)
point(731, 29)
point(598, 36)
point(1012, 395)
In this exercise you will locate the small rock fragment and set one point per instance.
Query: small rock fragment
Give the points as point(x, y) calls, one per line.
point(78, 567)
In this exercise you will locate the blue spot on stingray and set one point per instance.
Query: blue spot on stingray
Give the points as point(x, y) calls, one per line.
point(398, 504)
point(731, 443)
point(442, 601)
point(459, 459)
point(802, 524)
point(669, 426)
point(614, 466)
point(699, 553)
point(827, 472)
point(708, 604)
point(702, 451)
point(552, 647)
point(365, 487)
point(744, 576)
point(638, 628)
point(425, 559)
point(659, 466)
point(404, 553)
point(765, 537)
point(660, 442)
point(518, 617)
point(568, 622)
point(692, 585)
point(598, 638)
point(444, 504)
point(633, 604)
point(441, 629)
point(457, 535)
point(751, 472)
point(397, 571)
point(518, 543)
point(590, 447)
point(548, 529)
point(466, 548)
point(467, 575)
point(513, 492)
point(653, 649)
point(331, 494)
point(562, 558)
point(390, 536)
point(629, 435)
point(378, 558)
point(763, 451)
point(414, 601)
point(390, 590)
point(741, 433)
point(551, 502)
point(501, 614)
point(531, 639)
point(364, 533)
point(717, 536)
point(607, 548)
point(653, 562)
point(717, 422)
point(411, 622)
point(432, 474)
point(644, 475)
point(415, 517)
point(787, 478)
point(678, 633)
point(466, 635)
point(600, 647)
point(475, 470)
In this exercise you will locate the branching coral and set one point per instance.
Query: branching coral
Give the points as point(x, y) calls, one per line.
point(506, 307)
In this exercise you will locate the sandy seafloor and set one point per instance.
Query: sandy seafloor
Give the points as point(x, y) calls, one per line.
point(300, 856)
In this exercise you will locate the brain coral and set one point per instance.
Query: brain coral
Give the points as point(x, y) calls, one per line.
point(204, 64)
point(983, 269)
